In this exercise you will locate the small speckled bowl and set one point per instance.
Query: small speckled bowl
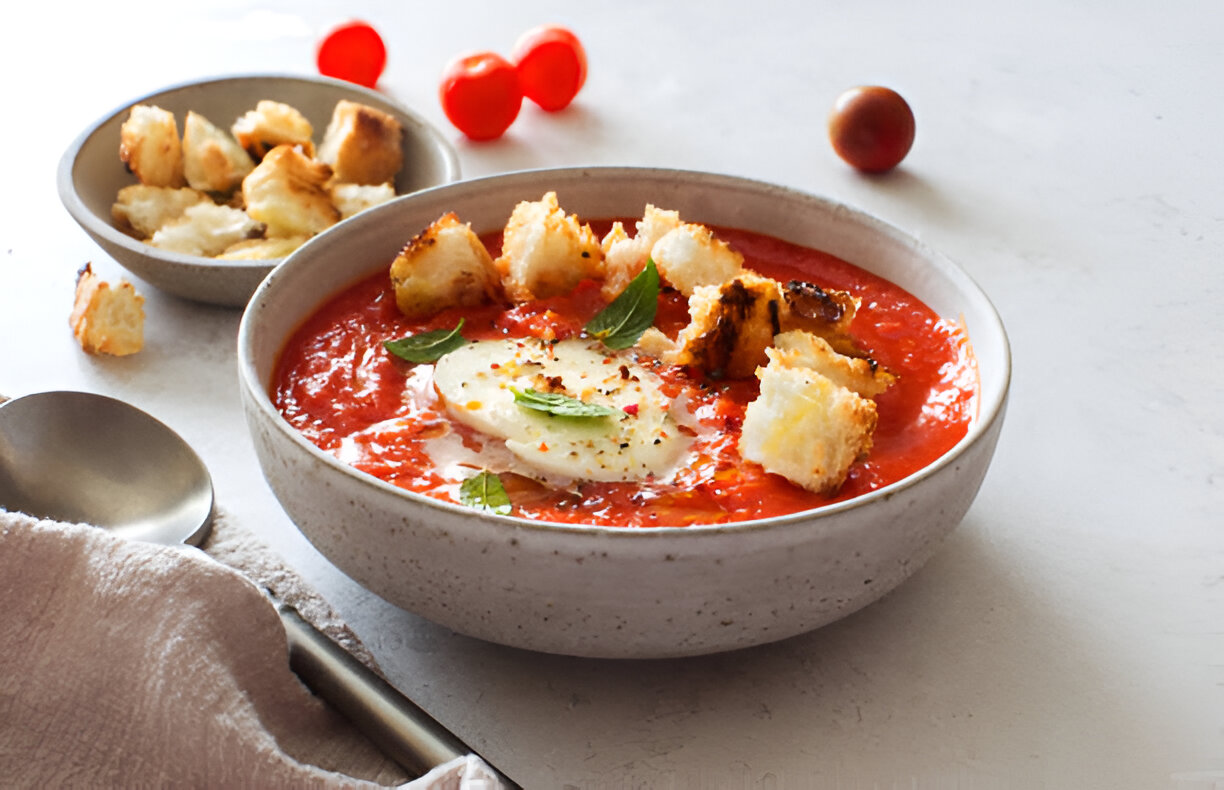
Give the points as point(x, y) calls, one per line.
point(600, 591)
point(91, 173)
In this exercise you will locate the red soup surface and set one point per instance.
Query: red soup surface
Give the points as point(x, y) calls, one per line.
point(338, 386)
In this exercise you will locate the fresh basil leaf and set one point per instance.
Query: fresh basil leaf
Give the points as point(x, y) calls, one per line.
point(427, 346)
point(485, 492)
point(621, 323)
point(559, 404)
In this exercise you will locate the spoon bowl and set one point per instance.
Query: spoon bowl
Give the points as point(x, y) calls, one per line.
point(81, 457)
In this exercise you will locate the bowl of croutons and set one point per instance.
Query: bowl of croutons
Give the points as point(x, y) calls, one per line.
point(200, 189)
point(623, 412)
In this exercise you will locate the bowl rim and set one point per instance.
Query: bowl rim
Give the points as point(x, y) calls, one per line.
point(71, 198)
point(988, 414)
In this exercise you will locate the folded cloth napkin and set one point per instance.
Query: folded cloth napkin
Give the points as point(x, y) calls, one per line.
point(130, 664)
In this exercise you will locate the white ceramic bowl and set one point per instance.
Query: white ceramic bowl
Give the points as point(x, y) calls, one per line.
point(612, 592)
point(91, 173)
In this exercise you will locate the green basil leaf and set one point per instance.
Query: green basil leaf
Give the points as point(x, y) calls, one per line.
point(559, 404)
point(485, 492)
point(427, 346)
point(621, 323)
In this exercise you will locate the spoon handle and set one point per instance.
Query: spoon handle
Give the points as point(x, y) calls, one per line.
point(404, 732)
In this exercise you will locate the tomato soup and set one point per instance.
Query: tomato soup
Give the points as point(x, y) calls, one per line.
point(338, 386)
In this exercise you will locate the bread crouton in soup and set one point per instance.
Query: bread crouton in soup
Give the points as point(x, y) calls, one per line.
point(624, 256)
point(545, 251)
point(805, 427)
point(446, 265)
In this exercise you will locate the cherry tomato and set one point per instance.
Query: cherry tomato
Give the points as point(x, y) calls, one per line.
point(480, 94)
point(872, 128)
point(552, 66)
point(353, 51)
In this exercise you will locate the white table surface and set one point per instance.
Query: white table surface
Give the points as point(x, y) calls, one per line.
point(1070, 634)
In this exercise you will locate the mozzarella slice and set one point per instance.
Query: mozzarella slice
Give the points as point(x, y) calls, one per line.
point(641, 438)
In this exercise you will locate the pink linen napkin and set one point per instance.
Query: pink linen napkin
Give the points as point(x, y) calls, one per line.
point(130, 664)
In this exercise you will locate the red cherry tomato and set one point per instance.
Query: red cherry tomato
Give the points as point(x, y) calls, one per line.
point(872, 128)
point(354, 52)
point(552, 66)
point(480, 94)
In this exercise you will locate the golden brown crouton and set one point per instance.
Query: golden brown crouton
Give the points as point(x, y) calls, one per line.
point(106, 319)
point(205, 229)
point(731, 325)
point(625, 257)
point(150, 148)
point(212, 159)
point(351, 199)
point(446, 265)
point(823, 312)
point(798, 349)
point(545, 251)
point(805, 427)
point(689, 256)
point(271, 124)
point(262, 249)
point(140, 210)
point(362, 144)
point(287, 192)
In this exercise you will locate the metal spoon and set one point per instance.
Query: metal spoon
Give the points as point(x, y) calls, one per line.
point(80, 457)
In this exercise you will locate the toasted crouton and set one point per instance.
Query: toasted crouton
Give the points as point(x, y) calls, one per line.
point(107, 319)
point(212, 159)
point(262, 249)
point(805, 427)
point(351, 199)
point(730, 326)
point(655, 344)
point(446, 265)
point(271, 124)
point(205, 229)
point(689, 256)
point(140, 210)
point(545, 251)
point(625, 257)
point(362, 144)
point(150, 148)
point(286, 192)
point(824, 312)
point(797, 349)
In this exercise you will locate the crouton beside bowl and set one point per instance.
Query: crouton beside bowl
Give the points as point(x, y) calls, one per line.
point(223, 125)
point(611, 591)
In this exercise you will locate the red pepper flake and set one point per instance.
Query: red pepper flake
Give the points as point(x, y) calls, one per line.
point(631, 409)
point(494, 365)
point(543, 447)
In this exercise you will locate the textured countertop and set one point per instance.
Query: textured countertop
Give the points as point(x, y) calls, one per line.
point(1070, 633)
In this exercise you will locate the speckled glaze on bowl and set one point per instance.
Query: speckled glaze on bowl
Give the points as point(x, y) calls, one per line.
point(599, 591)
point(91, 174)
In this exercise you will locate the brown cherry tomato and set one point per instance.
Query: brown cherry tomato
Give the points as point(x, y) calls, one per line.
point(871, 128)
